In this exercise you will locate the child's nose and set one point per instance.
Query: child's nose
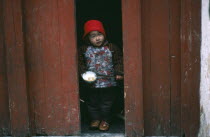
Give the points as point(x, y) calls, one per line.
point(97, 37)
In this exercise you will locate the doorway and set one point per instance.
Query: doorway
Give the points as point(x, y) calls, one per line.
point(109, 13)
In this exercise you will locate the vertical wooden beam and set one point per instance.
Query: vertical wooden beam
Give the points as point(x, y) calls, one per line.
point(175, 66)
point(131, 20)
point(4, 97)
point(15, 64)
point(190, 66)
point(156, 67)
point(52, 66)
point(67, 27)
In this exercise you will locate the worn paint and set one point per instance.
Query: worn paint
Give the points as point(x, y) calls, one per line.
point(15, 64)
point(52, 94)
point(205, 73)
point(134, 123)
point(161, 66)
point(190, 73)
point(4, 99)
point(51, 58)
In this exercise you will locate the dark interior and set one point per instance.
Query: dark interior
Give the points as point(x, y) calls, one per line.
point(108, 12)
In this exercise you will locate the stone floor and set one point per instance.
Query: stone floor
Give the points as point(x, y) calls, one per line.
point(92, 135)
point(99, 135)
point(117, 129)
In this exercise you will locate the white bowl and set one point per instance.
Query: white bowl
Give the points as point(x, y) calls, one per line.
point(89, 76)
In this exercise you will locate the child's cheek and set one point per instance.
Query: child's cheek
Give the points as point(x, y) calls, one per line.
point(92, 41)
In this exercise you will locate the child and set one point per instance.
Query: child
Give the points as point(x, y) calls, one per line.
point(105, 59)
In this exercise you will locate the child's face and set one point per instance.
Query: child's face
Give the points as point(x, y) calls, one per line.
point(96, 38)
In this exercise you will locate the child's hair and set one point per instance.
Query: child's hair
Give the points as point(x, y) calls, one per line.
point(86, 39)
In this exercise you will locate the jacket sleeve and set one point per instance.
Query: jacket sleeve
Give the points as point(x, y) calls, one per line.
point(117, 59)
point(82, 62)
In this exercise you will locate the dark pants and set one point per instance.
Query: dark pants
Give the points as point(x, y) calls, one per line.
point(100, 101)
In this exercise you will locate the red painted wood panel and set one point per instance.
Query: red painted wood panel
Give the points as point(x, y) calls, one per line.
point(131, 20)
point(49, 28)
point(175, 66)
point(4, 97)
point(15, 64)
point(156, 67)
point(52, 66)
point(190, 66)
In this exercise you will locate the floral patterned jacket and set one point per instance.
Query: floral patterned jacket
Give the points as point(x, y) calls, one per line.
point(106, 61)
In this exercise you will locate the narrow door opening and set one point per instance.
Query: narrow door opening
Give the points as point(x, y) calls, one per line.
point(109, 13)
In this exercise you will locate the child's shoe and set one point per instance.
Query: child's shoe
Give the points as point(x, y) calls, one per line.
point(104, 126)
point(94, 124)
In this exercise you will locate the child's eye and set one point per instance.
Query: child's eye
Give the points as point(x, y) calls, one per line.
point(92, 36)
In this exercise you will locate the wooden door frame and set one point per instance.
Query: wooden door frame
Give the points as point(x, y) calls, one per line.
point(190, 66)
point(133, 87)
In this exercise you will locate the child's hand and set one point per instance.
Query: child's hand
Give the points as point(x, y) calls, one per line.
point(118, 77)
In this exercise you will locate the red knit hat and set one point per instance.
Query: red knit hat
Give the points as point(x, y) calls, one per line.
point(93, 25)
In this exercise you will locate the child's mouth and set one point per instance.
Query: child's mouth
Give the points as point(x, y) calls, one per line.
point(98, 43)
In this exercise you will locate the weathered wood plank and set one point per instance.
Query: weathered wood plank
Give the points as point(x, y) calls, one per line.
point(51, 63)
point(15, 63)
point(156, 67)
point(190, 66)
point(175, 65)
point(4, 97)
point(69, 61)
point(131, 20)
